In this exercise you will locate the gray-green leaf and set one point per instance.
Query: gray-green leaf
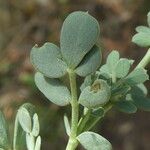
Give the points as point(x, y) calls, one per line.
point(90, 62)
point(112, 61)
point(143, 29)
point(48, 60)
point(67, 125)
point(122, 68)
point(138, 96)
point(94, 141)
point(30, 141)
point(87, 82)
point(53, 89)
point(3, 132)
point(38, 143)
point(36, 126)
point(142, 39)
point(96, 95)
point(25, 119)
point(104, 71)
point(126, 106)
point(79, 33)
point(137, 76)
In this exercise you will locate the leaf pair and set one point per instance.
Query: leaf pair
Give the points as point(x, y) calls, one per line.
point(142, 38)
point(77, 51)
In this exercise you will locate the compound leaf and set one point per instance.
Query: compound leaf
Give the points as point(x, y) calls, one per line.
point(94, 141)
point(48, 60)
point(90, 62)
point(79, 33)
point(95, 95)
point(53, 89)
point(137, 76)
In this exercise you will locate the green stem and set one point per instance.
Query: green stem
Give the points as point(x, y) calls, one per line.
point(84, 121)
point(106, 107)
point(145, 60)
point(72, 143)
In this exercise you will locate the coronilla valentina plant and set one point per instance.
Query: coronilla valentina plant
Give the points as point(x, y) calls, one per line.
point(111, 85)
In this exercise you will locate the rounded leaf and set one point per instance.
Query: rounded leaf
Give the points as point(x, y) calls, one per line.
point(96, 95)
point(25, 119)
point(122, 68)
point(143, 29)
point(48, 60)
point(142, 39)
point(94, 141)
point(79, 33)
point(137, 76)
point(53, 89)
point(90, 62)
point(112, 61)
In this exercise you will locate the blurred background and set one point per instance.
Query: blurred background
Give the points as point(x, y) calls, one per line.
point(26, 22)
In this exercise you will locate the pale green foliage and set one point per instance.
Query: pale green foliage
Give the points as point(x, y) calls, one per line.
point(115, 67)
point(137, 76)
point(30, 124)
point(112, 60)
point(67, 125)
point(94, 141)
point(38, 143)
point(25, 119)
point(122, 68)
point(48, 60)
point(36, 126)
point(95, 95)
point(79, 33)
point(51, 87)
point(142, 38)
point(111, 85)
point(140, 99)
point(90, 63)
